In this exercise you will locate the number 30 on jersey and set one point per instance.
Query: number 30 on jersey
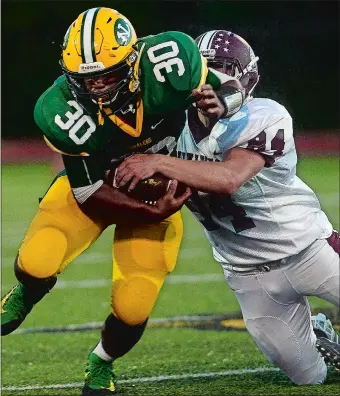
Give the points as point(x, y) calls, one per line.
point(74, 122)
point(162, 63)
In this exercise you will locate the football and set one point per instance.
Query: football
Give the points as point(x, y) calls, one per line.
point(148, 190)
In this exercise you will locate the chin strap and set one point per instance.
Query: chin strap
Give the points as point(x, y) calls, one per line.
point(100, 114)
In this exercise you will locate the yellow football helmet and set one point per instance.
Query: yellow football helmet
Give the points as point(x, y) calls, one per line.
point(100, 42)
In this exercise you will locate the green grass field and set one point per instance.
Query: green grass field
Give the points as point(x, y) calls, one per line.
point(171, 359)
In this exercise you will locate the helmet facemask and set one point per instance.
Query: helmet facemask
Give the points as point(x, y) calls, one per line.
point(249, 76)
point(232, 67)
point(119, 79)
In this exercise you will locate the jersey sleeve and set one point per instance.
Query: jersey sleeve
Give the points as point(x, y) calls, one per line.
point(216, 78)
point(67, 130)
point(264, 127)
point(65, 127)
point(171, 66)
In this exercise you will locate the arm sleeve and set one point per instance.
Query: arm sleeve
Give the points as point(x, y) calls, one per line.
point(85, 176)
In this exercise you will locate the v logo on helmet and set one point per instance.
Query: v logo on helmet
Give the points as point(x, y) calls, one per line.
point(122, 32)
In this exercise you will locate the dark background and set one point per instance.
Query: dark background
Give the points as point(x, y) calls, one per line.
point(297, 42)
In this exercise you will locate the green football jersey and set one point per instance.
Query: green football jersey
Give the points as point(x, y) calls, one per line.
point(169, 66)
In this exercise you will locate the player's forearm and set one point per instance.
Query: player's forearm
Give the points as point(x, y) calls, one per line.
point(109, 206)
point(212, 177)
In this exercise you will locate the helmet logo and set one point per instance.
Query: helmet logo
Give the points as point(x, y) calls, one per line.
point(122, 32)
point(208, 53)
point(90, 67)
point(66, 37)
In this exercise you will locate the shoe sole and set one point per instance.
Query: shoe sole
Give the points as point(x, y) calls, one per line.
point(86, 391)
point(330, 351)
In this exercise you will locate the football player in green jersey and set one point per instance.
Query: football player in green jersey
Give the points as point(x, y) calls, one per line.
point(117, 96)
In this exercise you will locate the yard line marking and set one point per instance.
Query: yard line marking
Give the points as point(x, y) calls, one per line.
point(98, 283)
point(218, 322)
point(177, 279)
point(97, 258)
point(149, 379)
point(152, 323)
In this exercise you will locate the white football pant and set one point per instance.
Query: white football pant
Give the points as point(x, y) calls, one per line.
point(276, 311)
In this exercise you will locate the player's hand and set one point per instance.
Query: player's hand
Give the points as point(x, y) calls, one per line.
point(135, 168)
point(207, 100)
point(169, 204)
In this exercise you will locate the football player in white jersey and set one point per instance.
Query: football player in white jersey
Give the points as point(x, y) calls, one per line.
point(265, 225)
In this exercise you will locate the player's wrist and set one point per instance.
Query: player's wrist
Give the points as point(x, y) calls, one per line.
point(154, 214)
point(232, 99)
point(162, 163)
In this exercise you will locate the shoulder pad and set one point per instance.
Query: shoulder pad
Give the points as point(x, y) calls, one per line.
point(257, 119)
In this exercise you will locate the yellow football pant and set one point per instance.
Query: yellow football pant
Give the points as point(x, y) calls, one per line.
point(143, 255)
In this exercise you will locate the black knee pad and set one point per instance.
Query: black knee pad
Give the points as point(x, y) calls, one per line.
point(118, 338)
point(35, 286)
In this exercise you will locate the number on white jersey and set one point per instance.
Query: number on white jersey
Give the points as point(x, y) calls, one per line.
point(259, 143)
point(220, 206)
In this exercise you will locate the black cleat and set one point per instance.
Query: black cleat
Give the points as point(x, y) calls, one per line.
point(330, 350)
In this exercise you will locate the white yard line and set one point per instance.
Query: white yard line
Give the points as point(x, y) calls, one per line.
point(150, 379)
point(98, 283)
point(97, 258)
point(152, 323)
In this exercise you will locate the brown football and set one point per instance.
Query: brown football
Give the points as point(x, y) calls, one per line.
point(148, 190)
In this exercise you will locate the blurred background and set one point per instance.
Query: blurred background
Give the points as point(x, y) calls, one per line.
point(297, 43)
point(298, 46)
